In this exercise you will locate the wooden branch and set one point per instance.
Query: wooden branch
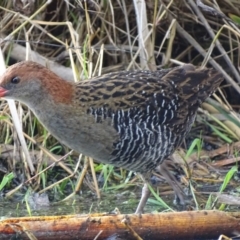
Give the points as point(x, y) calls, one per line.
point(174, 225)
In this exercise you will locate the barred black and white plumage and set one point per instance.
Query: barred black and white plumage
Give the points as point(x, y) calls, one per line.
point(151, 111)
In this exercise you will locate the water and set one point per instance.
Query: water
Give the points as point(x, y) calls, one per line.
point(84, 204)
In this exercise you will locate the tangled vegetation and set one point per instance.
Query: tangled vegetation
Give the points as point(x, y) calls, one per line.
point(80, 39)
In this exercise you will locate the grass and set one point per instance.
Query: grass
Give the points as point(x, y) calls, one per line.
point(6, 180)
point(211, 203)
point(92, 38)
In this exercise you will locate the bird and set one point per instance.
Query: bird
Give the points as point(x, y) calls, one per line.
point(130, 119)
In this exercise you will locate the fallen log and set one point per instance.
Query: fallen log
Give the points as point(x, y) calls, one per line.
point(173, 225)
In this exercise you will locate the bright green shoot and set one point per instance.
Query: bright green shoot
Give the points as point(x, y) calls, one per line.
point(6, 180)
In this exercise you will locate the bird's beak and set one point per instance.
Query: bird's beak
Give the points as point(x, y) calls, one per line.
point(3, 92)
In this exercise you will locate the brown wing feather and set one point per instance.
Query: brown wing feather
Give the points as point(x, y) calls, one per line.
point(172, 94)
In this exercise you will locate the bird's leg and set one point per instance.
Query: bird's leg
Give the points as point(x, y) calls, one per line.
point(180, 196)
point(144, 197)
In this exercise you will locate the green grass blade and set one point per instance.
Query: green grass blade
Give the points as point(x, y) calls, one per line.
point(161, 202)
point(6, 180)
point(228, 177)
point(196, 143)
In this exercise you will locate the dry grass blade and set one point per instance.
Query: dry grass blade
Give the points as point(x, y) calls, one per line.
point(17, 124)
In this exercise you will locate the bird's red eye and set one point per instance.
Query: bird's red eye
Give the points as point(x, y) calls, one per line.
point(15, 80)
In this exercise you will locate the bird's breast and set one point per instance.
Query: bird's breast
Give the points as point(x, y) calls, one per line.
point(80, 131)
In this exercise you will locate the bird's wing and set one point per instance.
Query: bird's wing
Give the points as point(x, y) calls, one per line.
point(167, 96)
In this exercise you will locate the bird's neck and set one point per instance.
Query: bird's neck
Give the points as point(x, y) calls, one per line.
point(56, 96)
point(59, 90)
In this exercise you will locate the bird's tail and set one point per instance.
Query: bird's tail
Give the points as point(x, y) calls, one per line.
point(195, 83)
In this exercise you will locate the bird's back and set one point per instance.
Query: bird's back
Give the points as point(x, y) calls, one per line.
point(151, 112)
